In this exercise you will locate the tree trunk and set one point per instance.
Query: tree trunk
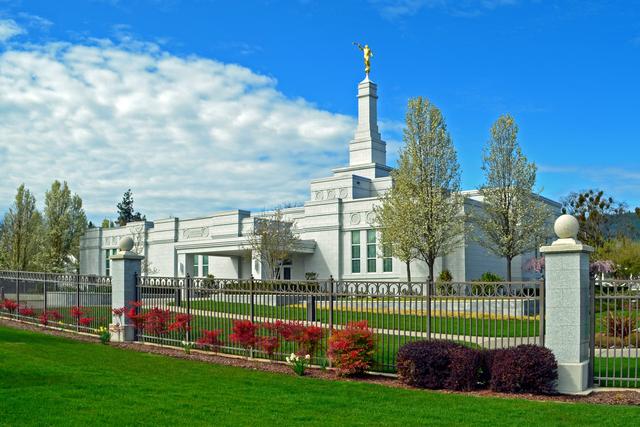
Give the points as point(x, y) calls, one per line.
point(431, 280)
point(409, 271)
point(509, 269)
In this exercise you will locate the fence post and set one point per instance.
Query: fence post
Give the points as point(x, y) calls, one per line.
point(428, 302)
point(541, 311)
point(78, 300)
point(125, 268)
point(331, 296)
point(251, 297)
point(44, 294)
point(567, 299)
point(18, 288)
point(188, 283)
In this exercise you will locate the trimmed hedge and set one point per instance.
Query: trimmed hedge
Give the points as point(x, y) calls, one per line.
point(524, 369)
point(439, 364)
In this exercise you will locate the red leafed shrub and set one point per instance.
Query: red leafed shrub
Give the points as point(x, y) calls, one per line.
point(620, 325)
point(76, 312)
point(26, 311)
point(244, 333)
point(9, 305)
point(425, 364)
point(210, 339)
point(138, 319)
point(306, 337)
point(351, 349)
point(269, 344)
point(46, 316)
point(119, 311)
point(181, 323)
point(156, 321)
point(465, 369)
point(524, 369)
point(85, 321)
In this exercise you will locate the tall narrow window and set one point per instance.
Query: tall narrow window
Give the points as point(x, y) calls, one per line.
point(195, 265)
point(387, 261)
point(355, 251)
point(205, 265)
point(371, 251)
point(107, 261)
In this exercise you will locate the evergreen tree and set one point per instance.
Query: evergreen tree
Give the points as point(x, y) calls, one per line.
point(126, 212)
point(21, 234)
point(513, 219)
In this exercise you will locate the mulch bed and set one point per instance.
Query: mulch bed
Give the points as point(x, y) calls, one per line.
point(609, 397)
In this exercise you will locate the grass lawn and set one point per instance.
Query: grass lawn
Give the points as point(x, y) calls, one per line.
point(47, 380)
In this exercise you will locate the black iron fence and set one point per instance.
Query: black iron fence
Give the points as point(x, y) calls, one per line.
point(615, 338)
point(70, 301)
point(479, 314)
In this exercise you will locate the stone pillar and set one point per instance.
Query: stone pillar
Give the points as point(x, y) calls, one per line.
point(367, 146)
point(125, 267)
point(567, 310)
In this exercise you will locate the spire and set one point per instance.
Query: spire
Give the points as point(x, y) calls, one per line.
point(367, 147)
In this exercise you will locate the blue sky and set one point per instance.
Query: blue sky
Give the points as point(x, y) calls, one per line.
point(567, 70)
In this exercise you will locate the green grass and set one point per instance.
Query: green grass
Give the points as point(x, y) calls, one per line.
point(47, 380)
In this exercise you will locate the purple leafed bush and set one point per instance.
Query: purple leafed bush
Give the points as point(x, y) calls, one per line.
point(465, 369)
point(523, 369)
point(425, 364)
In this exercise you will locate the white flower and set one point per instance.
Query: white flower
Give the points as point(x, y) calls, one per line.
point(307, 357)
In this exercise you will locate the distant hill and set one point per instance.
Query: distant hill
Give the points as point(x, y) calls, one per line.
point(627, 224)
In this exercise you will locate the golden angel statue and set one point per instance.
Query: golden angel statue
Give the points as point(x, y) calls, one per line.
point(367, 56)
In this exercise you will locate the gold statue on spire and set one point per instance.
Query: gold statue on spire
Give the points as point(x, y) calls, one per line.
point(367, 56)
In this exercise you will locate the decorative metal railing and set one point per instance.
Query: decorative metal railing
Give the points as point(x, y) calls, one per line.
point(487, 315)
point(615, 337)
point(71, 301)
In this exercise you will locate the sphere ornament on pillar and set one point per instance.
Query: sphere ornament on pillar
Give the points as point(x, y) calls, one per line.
point(566, 227)
point(126, 244)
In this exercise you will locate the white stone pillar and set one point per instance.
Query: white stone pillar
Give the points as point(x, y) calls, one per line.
point(367, 146)
point(125, 267)
point(567, 284)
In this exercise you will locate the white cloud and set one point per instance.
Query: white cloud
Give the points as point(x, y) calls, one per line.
point(189, 135)
point(392, 9)
point(9, 29)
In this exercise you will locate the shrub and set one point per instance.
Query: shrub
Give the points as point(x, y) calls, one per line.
point(210, 339)
point(445, 276)
point(490, 277)
point(269, 344)
point(621, 325)
point(76, 312)
point(26, 311)
point(46, 316)
point(9, 305)
point(138, 319)
point(181, 323)
point(85, 321)
point(306, 337)
point(351, 349)
point(465, 369)
point(244, 333)
point(156, 321)
point(425, 364)
point(524, 369)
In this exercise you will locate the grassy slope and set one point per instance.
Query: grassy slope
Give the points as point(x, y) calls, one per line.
point(54, 381)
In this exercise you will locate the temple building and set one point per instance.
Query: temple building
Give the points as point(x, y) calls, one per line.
point(336, 229)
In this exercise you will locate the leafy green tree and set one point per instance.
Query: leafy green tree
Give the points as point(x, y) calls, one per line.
point(106, 223)
point(427, 186)
point(513, 219)
point(396, 222)
point(595, 213)
point(624, 253)
point(21, 234)
point(65, 222)
point(126, 213)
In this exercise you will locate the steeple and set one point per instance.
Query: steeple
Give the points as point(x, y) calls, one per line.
point(367, 147)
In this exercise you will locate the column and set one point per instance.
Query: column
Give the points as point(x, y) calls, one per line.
point(125, 267)
point(567, 285)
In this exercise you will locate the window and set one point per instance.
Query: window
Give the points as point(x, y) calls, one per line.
point(371, 251)
point(283, 271)
point(205, 265)
point(195, 265)
point(387, 261)
point(355, 251)
point(107, 261)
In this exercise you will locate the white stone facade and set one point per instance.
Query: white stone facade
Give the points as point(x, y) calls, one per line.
point(340, 208)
